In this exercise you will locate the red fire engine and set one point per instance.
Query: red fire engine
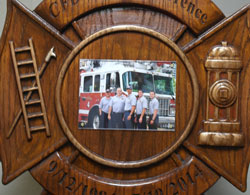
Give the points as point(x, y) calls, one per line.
point(98, 75)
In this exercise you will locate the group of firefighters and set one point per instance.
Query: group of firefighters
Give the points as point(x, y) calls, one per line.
point(128, 111)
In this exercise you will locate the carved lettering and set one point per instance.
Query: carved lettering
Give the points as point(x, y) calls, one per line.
point(93, 191)
point(198, 13)
point(182, 183)
point(173, 189)
point(191, 7)
point(74, 2)
point(198, 171)
point(204, 18)
point(183, 2)
point(59, 6)
point(72, 182)
point(190, 178)
point(61, 176)
point(78, 187)
point(176, 186)
point(54, 10)
point(52, 166)
point(64, 4)
point(158, 191)
point(84, 190)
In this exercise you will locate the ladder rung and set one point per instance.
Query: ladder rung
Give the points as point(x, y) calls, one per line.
point(30, 89)
point(25, 76)
point(37, 128)
point(35, 115)
point(22, 49)
point(31, 102)
point(24, 62)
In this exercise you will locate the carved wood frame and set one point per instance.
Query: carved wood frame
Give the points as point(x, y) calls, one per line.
point(143, 162)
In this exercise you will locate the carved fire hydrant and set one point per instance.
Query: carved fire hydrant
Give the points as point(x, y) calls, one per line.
point(222, 125)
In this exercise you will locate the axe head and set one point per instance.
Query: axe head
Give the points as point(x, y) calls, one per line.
point(50, 54)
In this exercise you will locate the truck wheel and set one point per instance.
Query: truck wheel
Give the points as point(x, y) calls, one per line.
point(94, 119)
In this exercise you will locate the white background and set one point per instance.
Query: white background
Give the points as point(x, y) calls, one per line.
point(26, 185)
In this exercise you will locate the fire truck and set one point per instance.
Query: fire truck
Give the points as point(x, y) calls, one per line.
point(98, 75)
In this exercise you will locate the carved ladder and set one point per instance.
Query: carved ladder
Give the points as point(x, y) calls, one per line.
point(26, 101)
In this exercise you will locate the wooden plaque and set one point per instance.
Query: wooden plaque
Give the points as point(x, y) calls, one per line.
point(57, 63)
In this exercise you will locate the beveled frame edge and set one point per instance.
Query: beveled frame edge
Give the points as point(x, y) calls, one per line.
point(2, 41)
point(220, 171)
point(241, 185)
point(6, 178)
point(6, 25)
point(127, 164)
point(211, 31)
point(44, 24)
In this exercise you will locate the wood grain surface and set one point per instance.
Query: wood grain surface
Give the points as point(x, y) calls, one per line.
point(67, 160)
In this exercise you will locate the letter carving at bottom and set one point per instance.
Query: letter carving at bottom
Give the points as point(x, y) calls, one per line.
point(67, 179)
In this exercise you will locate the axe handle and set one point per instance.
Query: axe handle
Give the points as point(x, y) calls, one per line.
point(28, 97)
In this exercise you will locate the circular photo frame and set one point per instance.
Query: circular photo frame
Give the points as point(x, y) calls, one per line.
point(146, 161)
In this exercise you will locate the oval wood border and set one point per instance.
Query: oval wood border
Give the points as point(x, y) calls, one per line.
point(152, 159)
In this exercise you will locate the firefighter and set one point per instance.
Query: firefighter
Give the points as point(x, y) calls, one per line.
point(104, 109)
point(116, 110)
point(130, 104)
point(153, 111)
point(141, 107)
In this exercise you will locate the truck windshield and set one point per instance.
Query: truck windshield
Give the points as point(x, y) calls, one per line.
point(138, 81)
point(163, 85)
point(146, 82)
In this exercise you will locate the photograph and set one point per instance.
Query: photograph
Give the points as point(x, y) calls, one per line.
point(127, 94)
